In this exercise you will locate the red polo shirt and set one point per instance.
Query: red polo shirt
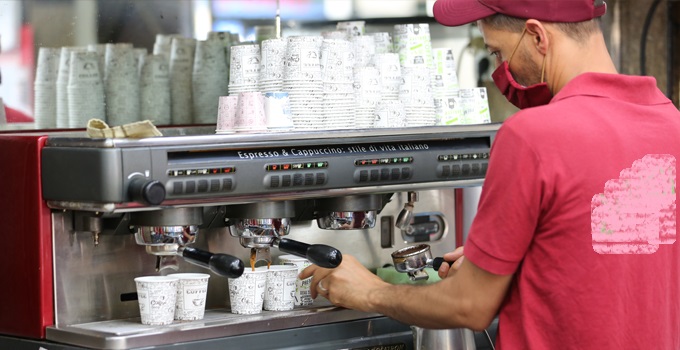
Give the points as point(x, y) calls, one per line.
point(552, 167)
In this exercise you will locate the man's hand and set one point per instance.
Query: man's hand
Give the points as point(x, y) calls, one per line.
point(349, 285)
point(454, 260)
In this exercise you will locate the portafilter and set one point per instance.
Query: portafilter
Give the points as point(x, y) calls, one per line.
point(260, 226)
point(414, 259)
point(170, 232)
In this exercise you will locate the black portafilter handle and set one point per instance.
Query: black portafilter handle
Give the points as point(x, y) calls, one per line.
point(222, 264)
point(437, 263)
point(319, 254)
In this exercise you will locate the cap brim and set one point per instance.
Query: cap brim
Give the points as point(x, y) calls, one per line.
point(459, 12)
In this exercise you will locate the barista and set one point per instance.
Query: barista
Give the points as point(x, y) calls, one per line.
point(531, 257)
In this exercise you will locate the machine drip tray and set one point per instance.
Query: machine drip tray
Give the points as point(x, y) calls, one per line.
point(217, 323)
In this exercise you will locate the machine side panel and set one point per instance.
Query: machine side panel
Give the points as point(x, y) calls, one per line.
point(26, 302)
point(82, 174)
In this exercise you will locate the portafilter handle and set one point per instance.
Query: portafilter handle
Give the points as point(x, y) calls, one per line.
point(319, 254)
point(222, 264)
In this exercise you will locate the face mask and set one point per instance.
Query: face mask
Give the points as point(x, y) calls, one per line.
point(521, 96)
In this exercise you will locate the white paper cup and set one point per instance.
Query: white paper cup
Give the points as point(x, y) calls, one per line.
point(246, 293)
point(281, 285)
point(277, 110)
point(303, 294)
point(192, 291)
point(157, 296)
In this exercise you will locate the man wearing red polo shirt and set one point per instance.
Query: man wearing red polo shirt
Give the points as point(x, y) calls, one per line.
point(573, 245)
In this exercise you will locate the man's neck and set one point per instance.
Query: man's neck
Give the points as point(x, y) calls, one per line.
point(571, 59)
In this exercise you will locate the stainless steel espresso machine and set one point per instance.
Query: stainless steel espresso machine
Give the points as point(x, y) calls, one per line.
point(122, 208)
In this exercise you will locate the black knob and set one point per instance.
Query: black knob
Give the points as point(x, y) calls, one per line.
point(437, 263)
point(146, 191)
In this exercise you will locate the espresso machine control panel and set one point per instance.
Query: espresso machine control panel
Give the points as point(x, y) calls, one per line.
point(114, 175)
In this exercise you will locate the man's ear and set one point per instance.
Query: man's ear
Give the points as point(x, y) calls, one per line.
point(540, 36)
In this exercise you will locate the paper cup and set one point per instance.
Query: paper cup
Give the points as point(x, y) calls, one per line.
point(303, 294)
point(157, 296)
point(192, 291)
point(277, 110)
point(281, 285)
point(226, 113)
point(246, 293)
point(250, 115)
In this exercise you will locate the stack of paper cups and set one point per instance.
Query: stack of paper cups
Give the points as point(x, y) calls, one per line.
point(45, 88)
point(85, 90)
point(122, 85)
point(445, 86)
point(209, 80)
point(364, 49)
point(138, 55)
point(337, 67)
point(271, 65)
point(244, 68)
point(154, 83)
point(100, 49)
point(62, 85)
point(368, 92)
point(181, 68)
point(390, 74)
point(475, 104)
point(163, 45)
point(302, 81)
point(226, 41)
point(383, 42)
point(352, 28)
point(414, 45)
point(416, 95)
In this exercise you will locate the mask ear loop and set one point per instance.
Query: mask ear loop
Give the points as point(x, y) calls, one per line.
point(516, 46)
point(543, 69)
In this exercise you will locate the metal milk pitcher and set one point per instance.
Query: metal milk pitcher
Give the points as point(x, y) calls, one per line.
point(443, 339)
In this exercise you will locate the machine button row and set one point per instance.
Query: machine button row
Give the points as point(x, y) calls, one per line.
point(466, 169)
point(384, 174)
point(296, 180)
point(202, 186)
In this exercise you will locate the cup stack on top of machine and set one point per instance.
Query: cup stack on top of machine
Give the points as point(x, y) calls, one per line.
point(244, 73)
point(383, 42)
point(181, 68)
point(122, 85)
point(337, 74)
point(446, 88)
point(45, 88)
point(413, 44)
point(352, 28)
point(100, 49)
point(416, 95)
point(273, 54)
point(154, 83)
point(390, 74)
point(303, 82)
point(62, 85)
point(368, 93)
point(85, 89)
point(208, 80)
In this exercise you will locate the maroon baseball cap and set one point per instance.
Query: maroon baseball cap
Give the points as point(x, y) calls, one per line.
point(459, 12)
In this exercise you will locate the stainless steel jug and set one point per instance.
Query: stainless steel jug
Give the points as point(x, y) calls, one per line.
point(443, 339)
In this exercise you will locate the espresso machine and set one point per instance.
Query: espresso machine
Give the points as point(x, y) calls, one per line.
point(104, 211)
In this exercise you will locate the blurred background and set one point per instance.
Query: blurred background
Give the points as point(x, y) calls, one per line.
point(642, 34)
